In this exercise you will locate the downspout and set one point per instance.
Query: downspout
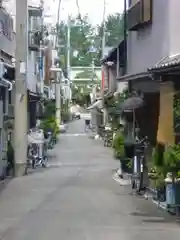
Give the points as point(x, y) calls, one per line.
point(9, 83)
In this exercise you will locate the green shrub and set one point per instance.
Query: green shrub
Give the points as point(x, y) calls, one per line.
point(118, 145)
point(158, 155)
point(172, 158)
point(50, 124)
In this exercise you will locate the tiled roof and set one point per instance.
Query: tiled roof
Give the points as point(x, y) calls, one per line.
point(167, 62)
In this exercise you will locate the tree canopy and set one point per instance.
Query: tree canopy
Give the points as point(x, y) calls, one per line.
point(86, 39)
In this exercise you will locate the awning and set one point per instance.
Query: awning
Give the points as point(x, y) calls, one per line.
point(97, 104)
point(166, 64)
point(112, 55)
point(33, 97)
point(130, 77)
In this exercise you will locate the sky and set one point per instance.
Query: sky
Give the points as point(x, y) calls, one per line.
point(94, 8)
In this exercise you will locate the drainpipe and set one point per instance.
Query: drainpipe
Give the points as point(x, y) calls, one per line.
point(9, 83)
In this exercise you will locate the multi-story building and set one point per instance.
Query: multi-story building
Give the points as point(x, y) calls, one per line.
point(7, 73)
point(35, 73)
point(153, 39)
point(36, 60)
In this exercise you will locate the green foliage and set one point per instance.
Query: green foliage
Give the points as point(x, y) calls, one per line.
point(50, 109)
point(81, 98)
point(164, 162)
point(86, 74)
point(158, 155)
point(84, 36)
point(49, 121)
point(50, 124)
point(172, 158)
point(114, 26)
point(177, 113)
point(118, 145)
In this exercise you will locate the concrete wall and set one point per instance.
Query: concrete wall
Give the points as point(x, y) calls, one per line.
point(149, 45)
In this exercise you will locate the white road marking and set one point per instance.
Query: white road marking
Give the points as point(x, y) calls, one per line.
point(73, 134)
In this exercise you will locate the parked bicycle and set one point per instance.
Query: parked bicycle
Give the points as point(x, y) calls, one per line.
point(137, 179)
point(37, 148)
point(35, 159)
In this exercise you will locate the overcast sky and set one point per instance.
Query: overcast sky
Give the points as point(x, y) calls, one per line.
point(94, 8)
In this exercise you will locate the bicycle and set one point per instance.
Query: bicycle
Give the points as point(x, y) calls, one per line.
point(138, 166)
point(35, 158)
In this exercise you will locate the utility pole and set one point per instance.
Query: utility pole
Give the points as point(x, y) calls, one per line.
point(58, 96)
point(58, 74)
point(20, 123)
point(69, 53)
point(69, 46)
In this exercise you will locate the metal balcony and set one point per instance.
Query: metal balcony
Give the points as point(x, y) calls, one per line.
point(139, 15)
point(34, 40)
point(134, 17)
point(35, 11)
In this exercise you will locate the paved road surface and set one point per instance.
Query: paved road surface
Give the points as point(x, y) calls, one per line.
point(77, 199)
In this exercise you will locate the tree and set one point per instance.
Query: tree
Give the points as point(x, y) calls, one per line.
point(86, 74)
point(114, 28)
point(82, 39)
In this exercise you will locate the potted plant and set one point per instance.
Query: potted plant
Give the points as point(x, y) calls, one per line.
point(118, 145)
point(119, 152)
point(157, 173)
point(172, 163)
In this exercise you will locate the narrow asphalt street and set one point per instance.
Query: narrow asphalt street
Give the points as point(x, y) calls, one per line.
point(75, 198)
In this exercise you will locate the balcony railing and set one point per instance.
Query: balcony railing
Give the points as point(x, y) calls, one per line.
point(34, 40)
point(139, 15)
point(35, 11)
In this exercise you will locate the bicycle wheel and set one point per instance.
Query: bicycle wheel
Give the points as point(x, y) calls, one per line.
point(44, 161)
